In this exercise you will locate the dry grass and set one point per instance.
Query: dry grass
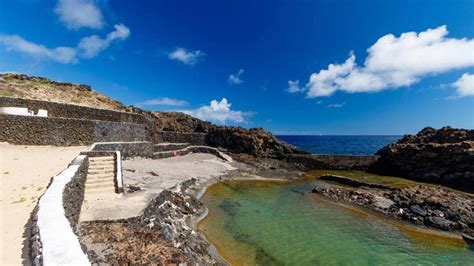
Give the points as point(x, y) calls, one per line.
point(13, 85)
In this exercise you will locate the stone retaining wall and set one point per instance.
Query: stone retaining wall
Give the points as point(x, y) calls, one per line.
point(73, 111)
point(32, 130)
point(127, 149)
point(179, 137)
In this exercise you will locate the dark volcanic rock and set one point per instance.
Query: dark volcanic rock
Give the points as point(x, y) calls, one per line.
point(444, 156)
point(431, 206)
point(254, 141)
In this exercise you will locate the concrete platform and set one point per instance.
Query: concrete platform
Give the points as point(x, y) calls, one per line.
point(153, 176)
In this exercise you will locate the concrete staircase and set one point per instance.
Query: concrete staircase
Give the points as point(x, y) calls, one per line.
point(100, 177)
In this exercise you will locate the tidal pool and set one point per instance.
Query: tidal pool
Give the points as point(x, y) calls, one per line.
point(280, 223)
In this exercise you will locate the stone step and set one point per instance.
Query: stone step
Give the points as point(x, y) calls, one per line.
point(95, 181)
point(102, 162)
point(100, 171)
point(100, 175)
point(101, 190)
point(92, 187)
point(101, 167)
point(101, 159)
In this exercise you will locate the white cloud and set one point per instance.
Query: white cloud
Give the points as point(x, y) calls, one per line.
point(91, 46)
point(219, 112)
point(186, 57)
point(65, 55)
point(76, 14)
point(394, 62)
point(336, 105)
point(465, 85)
point(87, 47)
point(294, 86)
point(235, 78)
point(163, 101)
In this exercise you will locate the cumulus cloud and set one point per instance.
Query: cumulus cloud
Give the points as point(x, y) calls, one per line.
point(294, 86)
point(76, 14)
point(465, 85)
point(65, 55)
point(186, 57)
point(91, 46)
point(235, 78)
point(87, 47)
point(219, 112)
point(394, 62)
point(163, 102)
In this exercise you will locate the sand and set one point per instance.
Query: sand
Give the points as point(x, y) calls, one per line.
point(25, 172)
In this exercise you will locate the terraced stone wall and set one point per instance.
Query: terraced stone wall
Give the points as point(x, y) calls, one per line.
point(33, 130)
point(62, 110)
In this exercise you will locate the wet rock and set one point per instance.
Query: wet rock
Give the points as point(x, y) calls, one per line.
point(417, 210)
point(440, 222)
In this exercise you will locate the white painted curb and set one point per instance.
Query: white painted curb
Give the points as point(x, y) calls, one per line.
point(60, 245)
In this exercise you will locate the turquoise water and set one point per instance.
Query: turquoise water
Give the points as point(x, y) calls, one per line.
point(271, 223)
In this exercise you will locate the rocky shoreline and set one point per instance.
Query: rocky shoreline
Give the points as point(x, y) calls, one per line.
point(444, 156)
point(163, 234)
point(433, 207)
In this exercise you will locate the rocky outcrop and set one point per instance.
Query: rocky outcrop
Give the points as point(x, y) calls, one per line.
point(254, 141)
point(444, 156)
point(434, 207)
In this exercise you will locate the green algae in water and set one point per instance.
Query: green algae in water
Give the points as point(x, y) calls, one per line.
point(279, 223)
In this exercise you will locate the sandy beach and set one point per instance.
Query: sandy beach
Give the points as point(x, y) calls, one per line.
point(25, 173)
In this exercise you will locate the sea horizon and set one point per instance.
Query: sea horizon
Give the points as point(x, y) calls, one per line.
point(340, 144)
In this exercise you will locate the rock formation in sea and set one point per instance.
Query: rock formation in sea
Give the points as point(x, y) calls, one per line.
point(444, 156)
point(434, 207)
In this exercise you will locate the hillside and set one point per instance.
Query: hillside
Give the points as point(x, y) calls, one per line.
point(39, 88)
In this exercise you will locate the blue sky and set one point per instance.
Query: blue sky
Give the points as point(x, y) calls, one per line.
point(397, 66)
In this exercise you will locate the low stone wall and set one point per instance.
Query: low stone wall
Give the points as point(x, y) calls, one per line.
point(347, 162)
point(127, 149)
point(73, 111)
point(179, 137)
point(190, 149)
point(73, 195)
point(32, 130)
point(54, 219)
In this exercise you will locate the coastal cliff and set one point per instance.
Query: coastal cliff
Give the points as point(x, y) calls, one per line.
point(444, 156)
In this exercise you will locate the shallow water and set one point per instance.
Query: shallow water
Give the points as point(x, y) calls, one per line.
point(280, 223)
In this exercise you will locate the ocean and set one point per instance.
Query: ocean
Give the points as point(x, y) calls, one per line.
point(342, 145)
